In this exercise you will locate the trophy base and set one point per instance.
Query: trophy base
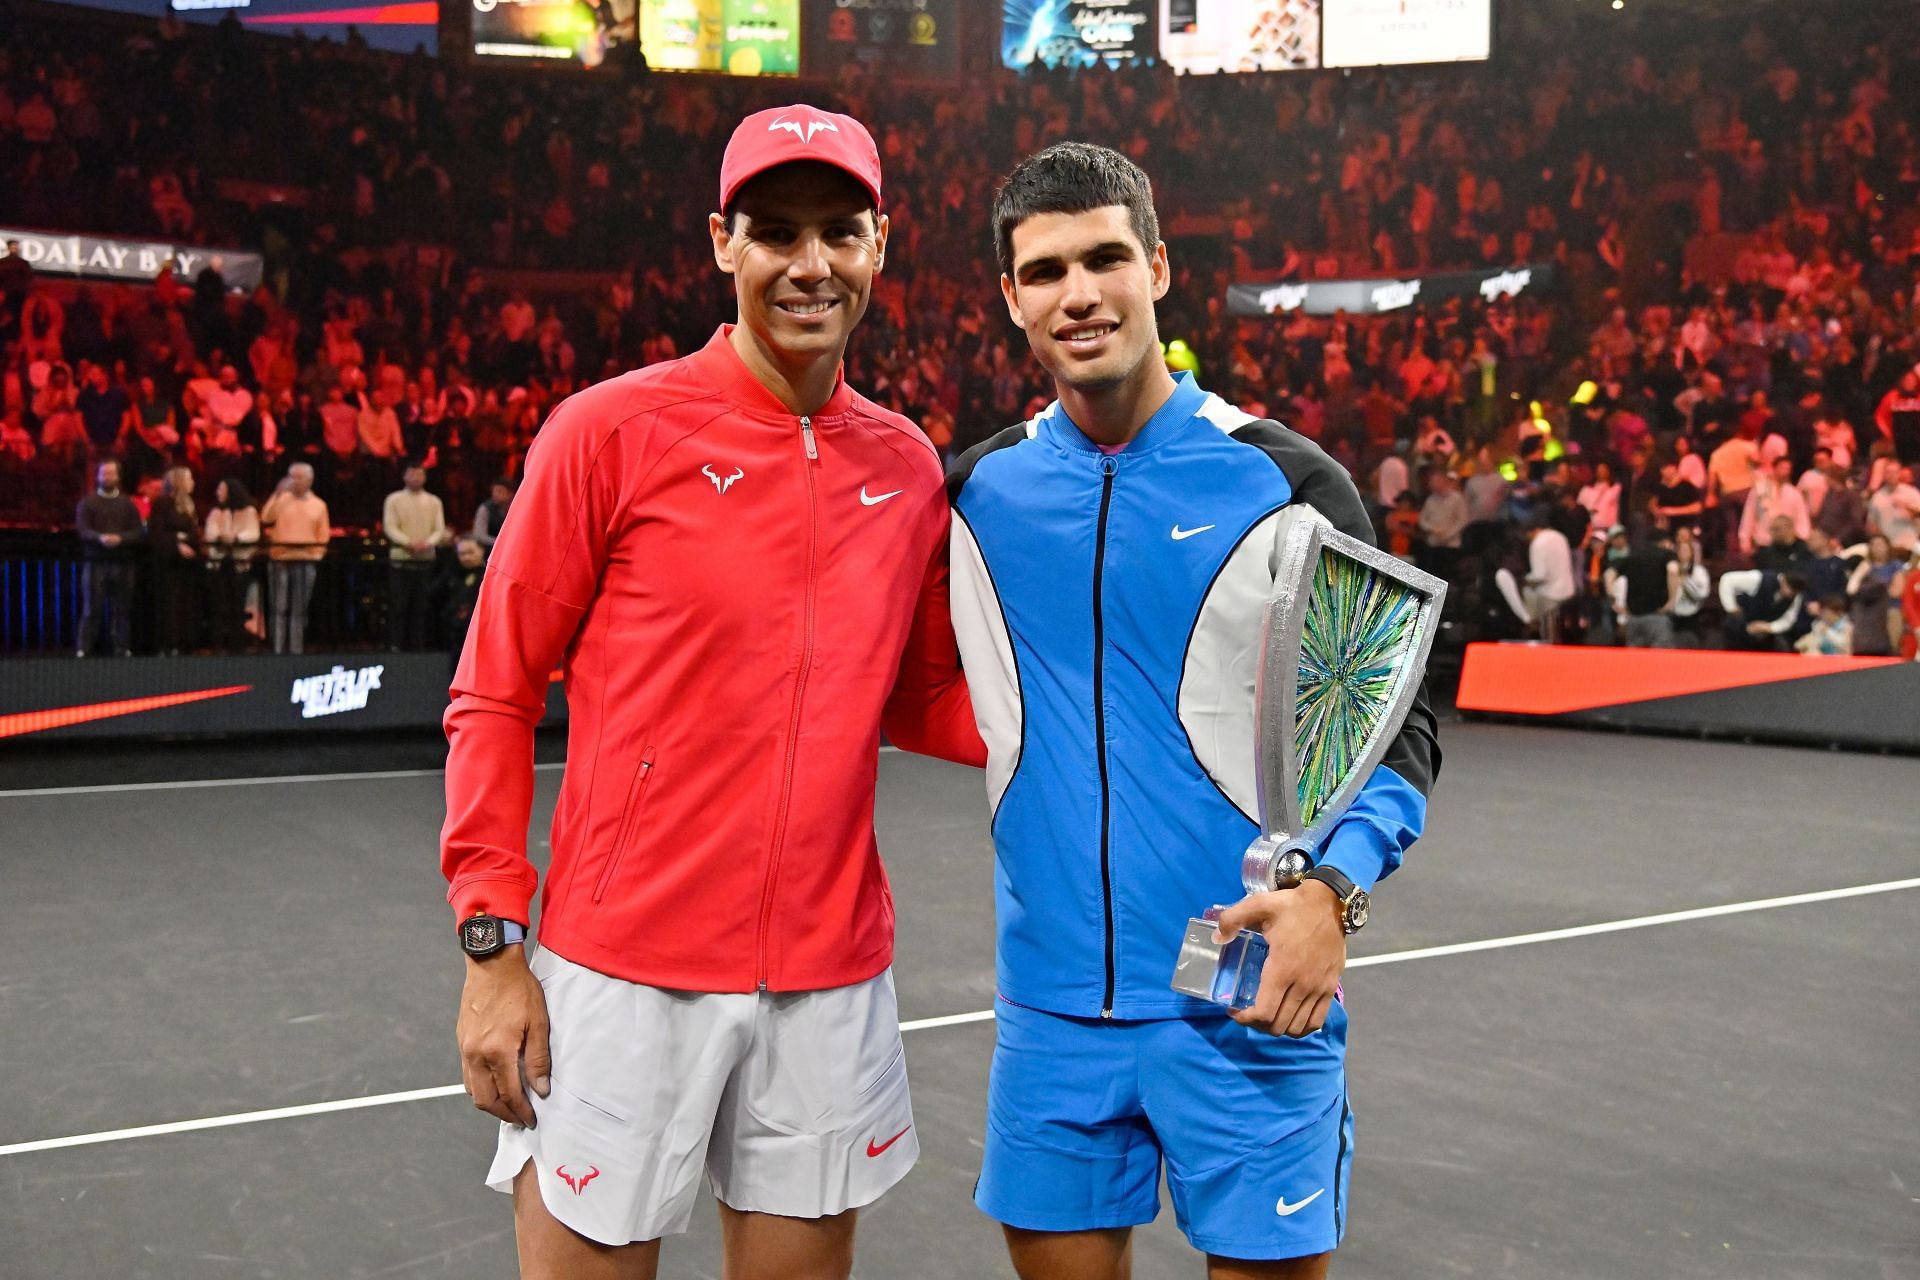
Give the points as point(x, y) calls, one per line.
point(1226, 973)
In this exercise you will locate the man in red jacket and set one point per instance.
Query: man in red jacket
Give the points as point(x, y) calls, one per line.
point(739, 563)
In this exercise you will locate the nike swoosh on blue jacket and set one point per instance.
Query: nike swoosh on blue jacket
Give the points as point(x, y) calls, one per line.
point(1112, 670)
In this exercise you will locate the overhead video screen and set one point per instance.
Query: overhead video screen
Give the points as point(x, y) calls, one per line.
point(735, 37)
point(1076, 33)
point(1384, 33)
point(1205, 37)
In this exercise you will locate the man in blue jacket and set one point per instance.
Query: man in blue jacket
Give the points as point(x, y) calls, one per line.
point(1111, 559)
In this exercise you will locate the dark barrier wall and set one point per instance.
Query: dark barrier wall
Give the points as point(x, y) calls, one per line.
point(1866, 704)
point(48, 699)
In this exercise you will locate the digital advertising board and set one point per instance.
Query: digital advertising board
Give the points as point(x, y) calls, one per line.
point(1208, 37)
point(397, 28)
point(1077, 33)
point(915, 39)
point(734, 37)
point(1385, 33)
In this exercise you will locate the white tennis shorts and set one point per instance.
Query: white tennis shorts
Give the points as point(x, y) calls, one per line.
point(790, 1103)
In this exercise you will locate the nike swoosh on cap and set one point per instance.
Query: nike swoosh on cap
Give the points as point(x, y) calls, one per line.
point(1181, 535)
point(1286, 1210)
point(877, 498)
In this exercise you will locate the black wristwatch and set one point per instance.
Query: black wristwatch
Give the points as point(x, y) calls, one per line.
point(484, 935)
point(1355, 903)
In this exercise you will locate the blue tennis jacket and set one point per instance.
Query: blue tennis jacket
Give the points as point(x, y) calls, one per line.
point(1108, 610)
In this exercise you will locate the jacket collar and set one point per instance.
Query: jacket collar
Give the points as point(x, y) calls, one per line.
point(722, 366)
point(1167, 421)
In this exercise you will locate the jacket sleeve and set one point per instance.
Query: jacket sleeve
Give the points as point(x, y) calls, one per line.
point(538, 587)
point(930, 711)
point(1390, 812)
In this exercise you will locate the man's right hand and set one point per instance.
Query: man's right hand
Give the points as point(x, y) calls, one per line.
point(503, 1036)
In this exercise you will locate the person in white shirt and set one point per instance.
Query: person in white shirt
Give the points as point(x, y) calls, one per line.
point(1549, 583)
point(1693, 467)
point(1602, 497)
point(1773, 495)
point(415, 523)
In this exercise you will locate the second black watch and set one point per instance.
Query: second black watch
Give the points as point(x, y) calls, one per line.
point(1355, 903)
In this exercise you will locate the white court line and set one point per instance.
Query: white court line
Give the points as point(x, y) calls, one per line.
point(196, 784)
point(986, 1015)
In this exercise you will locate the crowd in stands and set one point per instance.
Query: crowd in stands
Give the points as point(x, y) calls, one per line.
point(1706, 433)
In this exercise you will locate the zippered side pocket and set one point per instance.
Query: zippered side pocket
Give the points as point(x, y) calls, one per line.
point(629, 818)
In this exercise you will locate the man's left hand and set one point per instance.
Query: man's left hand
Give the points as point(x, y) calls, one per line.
point(1306, 953)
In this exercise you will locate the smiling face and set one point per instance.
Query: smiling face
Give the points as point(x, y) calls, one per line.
point(1082, 288)
point(803, 245)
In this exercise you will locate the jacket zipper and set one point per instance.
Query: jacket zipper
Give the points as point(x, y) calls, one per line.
point(1100, 721)
point(624, 835)
point(793, 718)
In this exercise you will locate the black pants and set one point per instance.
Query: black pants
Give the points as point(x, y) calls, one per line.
point(408, 586)
point(227, 605)
point(109, 591)
point(176, 604)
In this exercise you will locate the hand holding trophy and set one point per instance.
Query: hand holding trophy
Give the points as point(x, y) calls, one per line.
point(1343, 645)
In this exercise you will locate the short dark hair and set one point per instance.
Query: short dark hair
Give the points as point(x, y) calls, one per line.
point(1072, 177)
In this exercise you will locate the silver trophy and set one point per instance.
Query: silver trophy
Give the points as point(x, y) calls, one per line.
point(1343, 643)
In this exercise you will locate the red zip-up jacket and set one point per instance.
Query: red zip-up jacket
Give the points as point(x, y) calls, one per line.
point(739, 598)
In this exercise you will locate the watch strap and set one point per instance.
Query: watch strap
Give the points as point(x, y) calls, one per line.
point(1334, 879)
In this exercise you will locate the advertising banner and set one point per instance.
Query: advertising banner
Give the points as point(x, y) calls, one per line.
point(1379, 296)
point(738, 37)
point(1204, 37)
point(104, 258)
point(1076, 33)
point(61, 698)
point(915, 39)
point(1384, 33)
point(398, 27)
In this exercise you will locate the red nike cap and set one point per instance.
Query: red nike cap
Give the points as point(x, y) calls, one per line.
point(784, 135)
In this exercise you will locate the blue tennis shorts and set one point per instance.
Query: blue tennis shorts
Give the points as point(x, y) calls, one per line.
point(1254, 1128)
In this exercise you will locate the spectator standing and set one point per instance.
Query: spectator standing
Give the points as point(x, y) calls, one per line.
point(102, 408)
point(1601, 498)
point(174, 535)
point(1730, 472)
point(298, 530)
point(1898, 417)
point(231, 536)
point(110, 529)
point(460, 590)
point(1650, 573)
point(491, 516)
point(1695, 588)
point(415, 524)
point(1486, 494)
point(1677, 501)
point(1443, 524)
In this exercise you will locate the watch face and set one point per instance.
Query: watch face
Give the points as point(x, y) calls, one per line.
point(1359, 906)
point(480, 935)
